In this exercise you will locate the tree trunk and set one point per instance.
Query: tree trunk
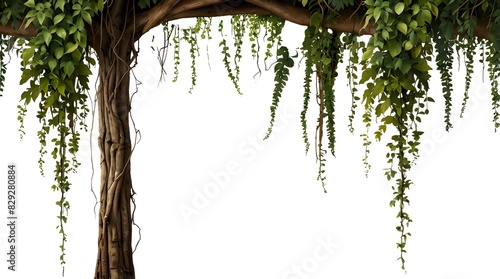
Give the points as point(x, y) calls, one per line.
point(114, 51)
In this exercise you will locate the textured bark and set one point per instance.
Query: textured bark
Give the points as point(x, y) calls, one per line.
point(114, 258)
point(114, 49)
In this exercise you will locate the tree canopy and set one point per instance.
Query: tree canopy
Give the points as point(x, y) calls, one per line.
point(59, 41)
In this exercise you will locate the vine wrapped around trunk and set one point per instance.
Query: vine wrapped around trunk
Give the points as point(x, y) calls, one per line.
point(114, 52)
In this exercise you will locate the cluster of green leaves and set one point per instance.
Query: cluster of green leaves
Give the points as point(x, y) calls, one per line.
point(56, 68)
point(444, 62)
point(227, 56)
point(396, 77)
point(354, 46)
point(323, 51)
point(191, 35)
point(281, 72)
point(455, 27)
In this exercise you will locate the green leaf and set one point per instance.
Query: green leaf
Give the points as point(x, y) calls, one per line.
point(50, 100)
point(415, 51)
point(47, 37)
point(367, 74)
point(434, 9)
point(86, 16)
point(423, 17)
point(376, 13)
point(44, 84)
point(35, 93)
point(70, 47)
point(100, 5)
point(385, 34)
point(316, 19)
point(30, 4)
point(25, 76)
point(61, 33)
point(367, 54)
point(422, 66)
point(400, 6)
point(394, 48)
point(69, 68)
point(382, 108)
point(83, 69)
point(27, 54)
point(402, 27)
point(41, 17)
point(407, 45)
point(61, 88)
point(58, 18)
point(60, 4)
point(378, 88)
point(52, 64)
point(59, 52)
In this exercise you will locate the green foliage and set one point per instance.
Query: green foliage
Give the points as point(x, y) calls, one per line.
point(281, 70)
point(494, 75)
point(307, 97)
point(444, 61)
point(144, 4)
point(470, 51)
point(55, 66)
point(354, 46)
point(397, 75)
point(190, 37)
point(175, 33)
point(227, 56)
point(339, 5)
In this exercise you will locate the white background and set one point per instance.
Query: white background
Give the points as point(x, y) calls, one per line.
point(272, 217)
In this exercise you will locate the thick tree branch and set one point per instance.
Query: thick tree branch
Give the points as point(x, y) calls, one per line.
point(159, 13)
point(346, 22)
point(154, 16)
point(19, 32)
point(214, 11)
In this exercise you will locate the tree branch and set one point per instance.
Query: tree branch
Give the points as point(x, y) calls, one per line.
point(19, 32)
point(346, 22)
point(161, 11)
point(154, 16)
point(214, 11)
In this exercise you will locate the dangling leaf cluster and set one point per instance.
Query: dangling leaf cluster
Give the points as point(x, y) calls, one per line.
point(56, 68)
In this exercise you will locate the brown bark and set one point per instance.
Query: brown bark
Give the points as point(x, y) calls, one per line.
point(7, 29)
point(114, 49)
